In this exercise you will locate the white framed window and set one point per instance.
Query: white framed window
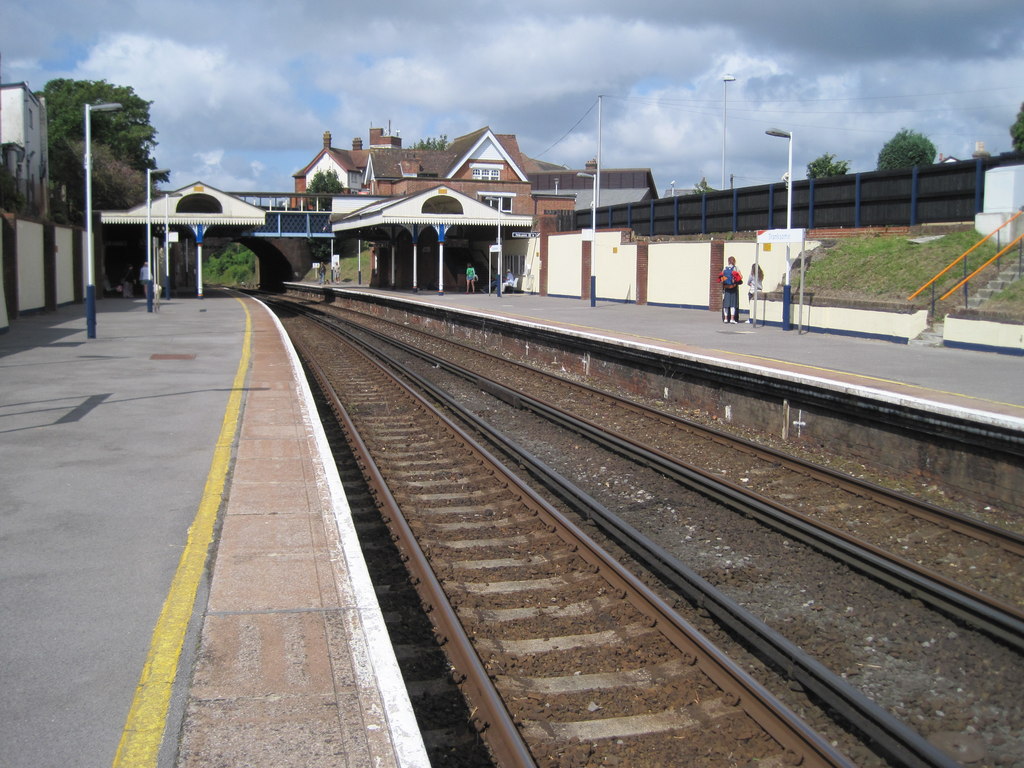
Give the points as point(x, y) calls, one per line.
point(501, 201)
point(487, 172)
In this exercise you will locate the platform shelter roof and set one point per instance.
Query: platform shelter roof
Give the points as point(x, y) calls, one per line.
point(439, 205)
point(196, 203)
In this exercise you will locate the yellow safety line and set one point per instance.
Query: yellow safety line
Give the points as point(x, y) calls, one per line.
point(144, 728)
point(866, 377)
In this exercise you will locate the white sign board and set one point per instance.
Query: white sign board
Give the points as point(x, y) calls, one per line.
point(781, 235)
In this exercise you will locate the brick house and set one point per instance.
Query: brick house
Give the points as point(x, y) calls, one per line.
point(483, 165)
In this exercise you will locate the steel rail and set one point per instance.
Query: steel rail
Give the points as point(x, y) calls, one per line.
point(899, 743)
point(761, 704)
point(1001, 621)
point(1011, 541)
point(491, 715)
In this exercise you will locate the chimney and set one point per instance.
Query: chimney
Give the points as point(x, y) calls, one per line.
point(979, 150)
point(327, 139)
point(357, 143)
point(591, 166)
point(380, 140)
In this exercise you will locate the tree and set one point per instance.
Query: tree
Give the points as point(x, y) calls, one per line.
point(702, 186)
point(826, 166)
point(127, 133)
point(434, 144)
point(905, 150)
point(325, 183)
point(1017, 131)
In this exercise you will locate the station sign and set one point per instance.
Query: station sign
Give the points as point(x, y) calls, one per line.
point(781, 235)
point(526, 234)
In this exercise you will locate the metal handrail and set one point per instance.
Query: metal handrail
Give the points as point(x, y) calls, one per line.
point(1012, 243)
point(961, 257)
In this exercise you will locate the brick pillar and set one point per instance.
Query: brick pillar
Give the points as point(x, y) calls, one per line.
point(50, 267)
point(642, 270)
point(716, 265)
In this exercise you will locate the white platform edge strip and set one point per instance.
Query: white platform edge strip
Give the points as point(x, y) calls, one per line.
point(407, 740)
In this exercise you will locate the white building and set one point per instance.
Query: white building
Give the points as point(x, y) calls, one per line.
point(23, 143)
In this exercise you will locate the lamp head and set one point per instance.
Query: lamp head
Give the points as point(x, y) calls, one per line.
point(155, 171)
point(583, 175)
point(780, 133)
point(728, 79)
point(106, 107)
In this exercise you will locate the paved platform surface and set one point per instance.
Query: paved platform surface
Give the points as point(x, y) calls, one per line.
point(120, 455)
point(962, 379)
point(111, 447)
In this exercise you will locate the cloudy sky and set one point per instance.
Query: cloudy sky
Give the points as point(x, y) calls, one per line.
point(242, 90)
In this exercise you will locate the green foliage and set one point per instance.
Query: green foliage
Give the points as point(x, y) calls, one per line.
point(234, 265)
point(905, 150)
point(702, 186)
point(437, 144)
point(826, 166)
point(11, 200)
point(325, 183)
point(1017, 131)
point(891, 268)
point(127, 133)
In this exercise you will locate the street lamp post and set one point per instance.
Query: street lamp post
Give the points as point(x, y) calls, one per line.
point(90, 271)
point(149, 234)
point(787, 291)
point(593, 237)
point(167, 243)
point(726, 79)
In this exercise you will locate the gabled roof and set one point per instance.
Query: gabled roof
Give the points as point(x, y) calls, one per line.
point(195, 203)
point(347, 159)
point(474, 145)
point(438, 205)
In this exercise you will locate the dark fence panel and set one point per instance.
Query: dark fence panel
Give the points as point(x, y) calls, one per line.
point(946, 192)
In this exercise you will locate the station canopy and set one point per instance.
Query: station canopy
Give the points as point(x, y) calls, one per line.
point(439, 206)
point(192, 205)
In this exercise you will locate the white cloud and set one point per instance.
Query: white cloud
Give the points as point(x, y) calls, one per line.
point(242, 91)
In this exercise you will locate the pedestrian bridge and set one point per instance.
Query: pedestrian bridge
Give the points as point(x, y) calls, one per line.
point(280, 228)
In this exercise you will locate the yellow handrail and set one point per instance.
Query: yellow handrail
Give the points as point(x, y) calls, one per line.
point(961, 257)
point(1015, 240)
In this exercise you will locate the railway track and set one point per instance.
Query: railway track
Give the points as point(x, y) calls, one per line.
point(960, 564)
point(898, 744)
point(565, 657)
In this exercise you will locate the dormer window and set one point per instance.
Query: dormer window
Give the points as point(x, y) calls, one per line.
point(486, 172)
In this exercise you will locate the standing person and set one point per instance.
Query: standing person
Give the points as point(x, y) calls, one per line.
point(470, 279)
point(731, 280)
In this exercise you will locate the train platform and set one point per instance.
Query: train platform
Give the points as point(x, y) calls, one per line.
point(981, 385)
point(182, 584)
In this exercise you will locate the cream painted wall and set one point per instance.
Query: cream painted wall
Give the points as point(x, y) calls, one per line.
point(678, 274)
point(5, 322)
point(981, 334)
point(64, 239)
point(565, 260)
point(31, 286)
point(615, 268)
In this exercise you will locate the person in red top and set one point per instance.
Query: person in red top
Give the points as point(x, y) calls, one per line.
point(731, 280)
